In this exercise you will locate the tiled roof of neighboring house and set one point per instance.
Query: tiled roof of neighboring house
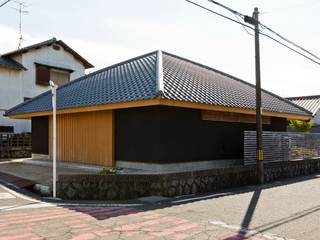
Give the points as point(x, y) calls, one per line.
point(49, 43)
point(311, 103)
point(137, 79)
point(10, 63)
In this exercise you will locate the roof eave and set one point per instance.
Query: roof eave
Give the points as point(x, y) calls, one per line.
point(164, 102)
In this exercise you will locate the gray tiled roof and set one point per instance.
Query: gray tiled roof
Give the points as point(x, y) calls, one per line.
point(311, 103)
point(10, 63)
point(136, 79)
point(190, 81)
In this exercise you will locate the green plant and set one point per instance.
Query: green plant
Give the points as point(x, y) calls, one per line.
point(300, 126)
point(107, 171)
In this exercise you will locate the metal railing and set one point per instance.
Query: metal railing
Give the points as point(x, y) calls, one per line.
point(282, 146)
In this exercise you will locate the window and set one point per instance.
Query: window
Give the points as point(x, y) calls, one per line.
point(59, 77)
point(46, 73)
point(42, 75)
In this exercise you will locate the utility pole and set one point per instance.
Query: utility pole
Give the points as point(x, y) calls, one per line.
point(260, 166)
point(254, 20)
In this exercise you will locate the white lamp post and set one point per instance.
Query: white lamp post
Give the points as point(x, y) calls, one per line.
point(54, 139)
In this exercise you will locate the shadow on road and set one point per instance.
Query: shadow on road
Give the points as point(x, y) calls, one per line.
point(250, 211)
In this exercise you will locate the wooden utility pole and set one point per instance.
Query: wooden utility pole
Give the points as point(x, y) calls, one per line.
point(260, 167)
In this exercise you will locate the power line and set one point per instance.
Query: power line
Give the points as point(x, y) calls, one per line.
point(265, 27)
point(289, 41)
point(219, 14)
point(247, 26)
point(4, 3)
point(244, 26)
point(290, 48)
point(225, 7)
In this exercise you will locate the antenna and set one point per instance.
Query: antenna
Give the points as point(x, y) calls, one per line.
point(20, 9)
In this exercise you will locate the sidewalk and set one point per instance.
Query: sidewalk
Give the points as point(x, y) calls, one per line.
point(278, 211)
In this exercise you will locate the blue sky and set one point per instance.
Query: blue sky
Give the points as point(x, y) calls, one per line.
point(106, 32)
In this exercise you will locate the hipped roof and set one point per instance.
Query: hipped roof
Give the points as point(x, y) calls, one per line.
point(158, 75)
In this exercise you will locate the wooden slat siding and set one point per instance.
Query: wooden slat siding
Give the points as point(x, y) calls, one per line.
point(84, 137)
point(232, 117)
point(282, 146)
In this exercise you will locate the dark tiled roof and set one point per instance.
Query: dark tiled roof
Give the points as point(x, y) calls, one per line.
point(10, 63)
point(48, 43)
point(311, 103)
point(126, 81)
point(138, 79)
point(190, 81)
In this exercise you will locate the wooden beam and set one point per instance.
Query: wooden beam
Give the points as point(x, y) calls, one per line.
point(232, 117)
point(212, 107)
point(110, 106)
point(164, 102)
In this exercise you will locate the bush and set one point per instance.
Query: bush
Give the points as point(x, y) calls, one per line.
point(107, 171)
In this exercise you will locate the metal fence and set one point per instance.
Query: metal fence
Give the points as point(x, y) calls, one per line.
point(282, 146)
point(15, 145)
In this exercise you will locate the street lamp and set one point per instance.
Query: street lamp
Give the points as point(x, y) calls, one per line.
point(54, 139)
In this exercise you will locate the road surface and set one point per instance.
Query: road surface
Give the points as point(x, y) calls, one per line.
point(282, 210)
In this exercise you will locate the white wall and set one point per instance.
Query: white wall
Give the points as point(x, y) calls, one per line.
point(15, 85)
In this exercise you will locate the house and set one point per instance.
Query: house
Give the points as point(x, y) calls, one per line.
point(152, 110)
point(312, 104)
point(25, 73)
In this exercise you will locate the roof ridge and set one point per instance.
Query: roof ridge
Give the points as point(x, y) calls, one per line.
point(237, 79)
point(159, 75)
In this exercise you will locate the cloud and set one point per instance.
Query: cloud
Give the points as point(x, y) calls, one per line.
point(10, 39)
point(283, 72)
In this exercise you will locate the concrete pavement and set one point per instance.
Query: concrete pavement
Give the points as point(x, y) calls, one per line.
point(282, 210)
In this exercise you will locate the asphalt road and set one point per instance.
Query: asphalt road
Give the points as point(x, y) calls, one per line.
point(282, 210)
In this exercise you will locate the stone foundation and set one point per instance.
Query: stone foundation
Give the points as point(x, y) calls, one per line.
point(119, 187)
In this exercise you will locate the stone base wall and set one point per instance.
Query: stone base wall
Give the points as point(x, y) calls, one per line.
point(119, 187)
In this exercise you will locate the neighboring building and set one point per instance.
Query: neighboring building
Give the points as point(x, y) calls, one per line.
point(25, 73)
point(152, 110)
point(312, 104)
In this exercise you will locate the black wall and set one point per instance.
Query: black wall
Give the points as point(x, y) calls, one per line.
point(40, 135)
point(168, 134)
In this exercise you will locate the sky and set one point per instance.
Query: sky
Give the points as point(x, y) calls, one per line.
point(106, 32)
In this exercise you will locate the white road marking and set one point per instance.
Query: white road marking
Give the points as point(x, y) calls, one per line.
point(249, 233)
point(202, 197)
point(6, 196)
point(18, 195)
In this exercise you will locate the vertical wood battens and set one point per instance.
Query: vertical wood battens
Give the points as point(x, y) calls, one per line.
point(85, 137)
